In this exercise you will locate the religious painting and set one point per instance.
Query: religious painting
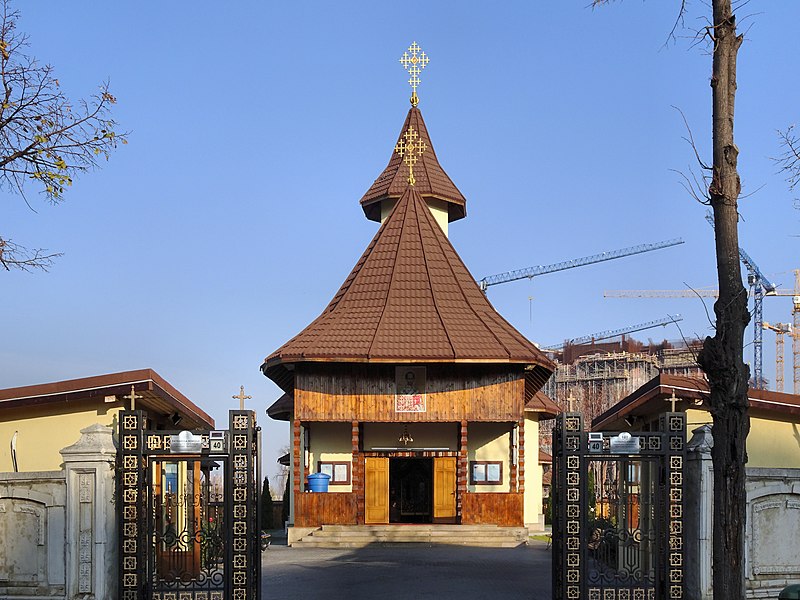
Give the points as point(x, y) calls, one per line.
point(409, 389)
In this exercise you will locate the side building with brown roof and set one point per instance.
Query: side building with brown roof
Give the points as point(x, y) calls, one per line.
point(42, 419)
point(410, 390)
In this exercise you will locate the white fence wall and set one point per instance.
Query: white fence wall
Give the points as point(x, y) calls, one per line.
point(57, 528)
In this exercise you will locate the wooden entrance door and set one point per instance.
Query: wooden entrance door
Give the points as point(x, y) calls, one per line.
point(444, 489)
point(376, 491)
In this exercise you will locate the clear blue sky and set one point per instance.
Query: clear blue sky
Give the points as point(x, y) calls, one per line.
point(232, 217)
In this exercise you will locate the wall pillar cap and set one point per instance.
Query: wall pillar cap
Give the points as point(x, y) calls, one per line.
point(96, 443)
point(702, 440)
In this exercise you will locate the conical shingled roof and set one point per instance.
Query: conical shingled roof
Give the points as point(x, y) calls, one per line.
point(431, 180)
point(409, 298)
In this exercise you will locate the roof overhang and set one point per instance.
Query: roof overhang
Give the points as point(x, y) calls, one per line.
point(157, 395)
point(690, 392)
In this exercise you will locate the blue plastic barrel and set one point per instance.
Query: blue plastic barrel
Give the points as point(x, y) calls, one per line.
point(318, 482)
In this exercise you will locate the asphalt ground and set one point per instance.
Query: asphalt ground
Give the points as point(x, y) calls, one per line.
point(406, 571)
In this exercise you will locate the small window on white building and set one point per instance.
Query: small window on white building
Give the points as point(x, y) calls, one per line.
point(339, 472)
point(485, 472)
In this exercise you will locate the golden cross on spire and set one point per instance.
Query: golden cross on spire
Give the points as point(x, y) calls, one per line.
point(411, 149)
point(414, 63)
point(241, 397)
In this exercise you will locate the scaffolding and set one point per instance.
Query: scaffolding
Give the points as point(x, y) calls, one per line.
point(595, 382)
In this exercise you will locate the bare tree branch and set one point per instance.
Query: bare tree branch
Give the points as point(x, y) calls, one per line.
point(46, 140)
point(14, 256)
point(789, 160)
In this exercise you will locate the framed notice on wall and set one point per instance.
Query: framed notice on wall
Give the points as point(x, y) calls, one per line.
point(409, 389)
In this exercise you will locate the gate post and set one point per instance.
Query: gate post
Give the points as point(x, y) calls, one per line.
point(569, 507)
point(699, 510)
point(91, 544)
point(674, 425)
point(242, 508)
point(131, 505)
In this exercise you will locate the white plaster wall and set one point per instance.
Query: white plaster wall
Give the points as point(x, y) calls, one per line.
point(490, 441)
point(331, 442)
point(534, 517)
point(426, 435)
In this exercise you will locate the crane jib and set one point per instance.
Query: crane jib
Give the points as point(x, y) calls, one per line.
point(531, 272)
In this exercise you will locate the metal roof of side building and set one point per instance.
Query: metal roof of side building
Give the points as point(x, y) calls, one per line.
point(158, 395)
point(690, 392)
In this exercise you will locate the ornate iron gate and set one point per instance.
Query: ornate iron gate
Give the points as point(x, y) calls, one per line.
point(618, 511)
point(187, 506)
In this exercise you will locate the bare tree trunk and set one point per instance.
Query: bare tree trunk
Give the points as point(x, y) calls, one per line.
point(722, 355)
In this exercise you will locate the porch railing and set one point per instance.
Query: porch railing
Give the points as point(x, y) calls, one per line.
point(493, 508)
point(330, 508)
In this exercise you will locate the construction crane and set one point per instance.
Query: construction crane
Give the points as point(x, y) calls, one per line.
point(690, 293)
point(760, 286)
point(604, 335)
point(532, 272)
point(780, 330)
point(709, 293)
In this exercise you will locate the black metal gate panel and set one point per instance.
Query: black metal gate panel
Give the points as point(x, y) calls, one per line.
point(187, 505)
point(618, 511)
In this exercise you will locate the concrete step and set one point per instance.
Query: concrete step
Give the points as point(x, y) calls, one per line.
point(330, 544)
point(351, 536)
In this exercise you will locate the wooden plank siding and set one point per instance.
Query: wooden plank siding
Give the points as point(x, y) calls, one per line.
point(503, 509)
point(359, 392)
point(332, 508)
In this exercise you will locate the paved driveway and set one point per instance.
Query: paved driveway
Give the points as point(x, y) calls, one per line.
point(407, 571)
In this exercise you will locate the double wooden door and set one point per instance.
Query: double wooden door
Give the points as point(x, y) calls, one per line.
point(376, 490)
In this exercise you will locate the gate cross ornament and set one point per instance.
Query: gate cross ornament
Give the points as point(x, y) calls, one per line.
point(673, 400)
point(133, 398)
point(241, 397)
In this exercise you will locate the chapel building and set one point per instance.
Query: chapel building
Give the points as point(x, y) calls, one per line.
point(418, 399)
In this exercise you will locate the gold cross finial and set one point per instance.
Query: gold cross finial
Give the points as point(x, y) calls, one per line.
point(413, 61)
point(133, 398)
point(241, 397)
point(410, 147)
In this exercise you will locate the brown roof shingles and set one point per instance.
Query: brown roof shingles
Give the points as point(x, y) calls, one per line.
point(431, 180)
point(409, 297)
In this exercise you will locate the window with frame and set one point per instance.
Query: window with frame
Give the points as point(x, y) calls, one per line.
point(485, 472)
point(339, 472)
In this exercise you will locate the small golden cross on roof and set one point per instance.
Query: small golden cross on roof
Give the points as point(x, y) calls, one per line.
point(411, 149)
point(673, 400)
point(414, 63)
point(241, 397)
point(133, 398)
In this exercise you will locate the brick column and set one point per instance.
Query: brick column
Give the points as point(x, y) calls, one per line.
point(296, 449)
point(462, 468)
point(521, 457)
point(356, 472)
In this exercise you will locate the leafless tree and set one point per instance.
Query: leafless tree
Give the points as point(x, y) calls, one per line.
point(722, 355)
point(789, 161)
point(45, 139)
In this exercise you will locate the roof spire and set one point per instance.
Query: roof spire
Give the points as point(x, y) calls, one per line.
point(411, 148)
point(413, 61)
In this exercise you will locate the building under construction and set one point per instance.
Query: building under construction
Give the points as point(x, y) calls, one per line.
point(598, 375)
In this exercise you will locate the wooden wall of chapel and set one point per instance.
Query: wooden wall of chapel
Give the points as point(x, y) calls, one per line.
point(362, 392)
